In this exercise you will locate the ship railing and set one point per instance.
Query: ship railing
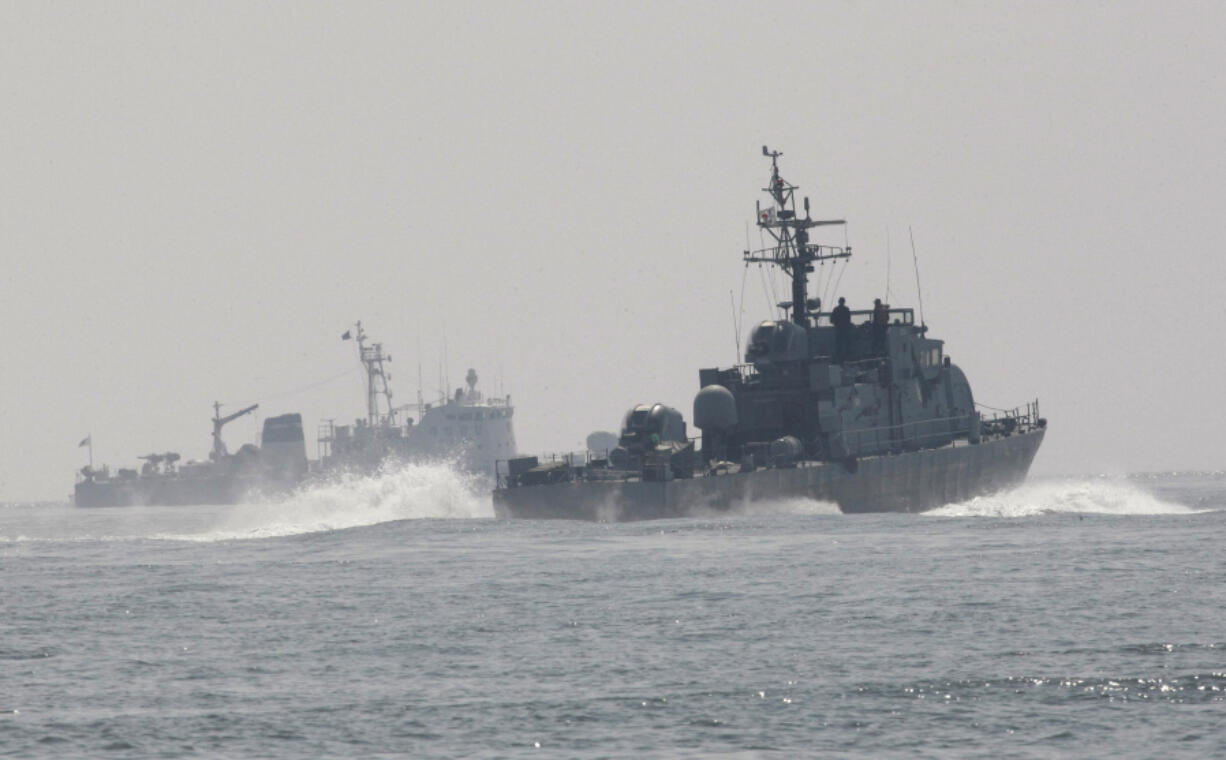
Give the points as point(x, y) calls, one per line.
point(585, 459)
point(747, 372)
point(1022, 416)
point(900, 316)
point(502, 466)
point(97, 474)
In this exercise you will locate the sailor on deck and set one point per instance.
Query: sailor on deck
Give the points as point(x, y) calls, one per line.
point(841, 319)
point(881, 320)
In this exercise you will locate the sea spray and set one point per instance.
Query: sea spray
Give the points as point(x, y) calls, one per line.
point(396, 492)
point(1081, 496)
point(791, 506)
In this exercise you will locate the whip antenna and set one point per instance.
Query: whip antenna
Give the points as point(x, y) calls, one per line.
point(740, 312)
point(919, 291)
point(887, 264)
point(736, 330)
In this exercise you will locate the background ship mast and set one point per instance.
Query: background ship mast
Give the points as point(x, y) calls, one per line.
point(372, 359)
point(792, 250)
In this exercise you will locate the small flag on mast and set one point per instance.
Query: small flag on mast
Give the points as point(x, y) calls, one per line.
point(86, 441)
point(346, 336)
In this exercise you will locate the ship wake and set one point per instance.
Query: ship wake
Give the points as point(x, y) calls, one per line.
point(397, 492)
point(1088, 496)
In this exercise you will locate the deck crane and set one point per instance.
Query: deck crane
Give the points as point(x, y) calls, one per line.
point(219, 447)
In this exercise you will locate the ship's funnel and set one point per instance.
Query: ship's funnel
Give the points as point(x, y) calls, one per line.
point(283, 447)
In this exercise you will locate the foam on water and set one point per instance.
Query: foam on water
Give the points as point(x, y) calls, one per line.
point(1086, 496)
point(396, 492)
point(402, 492)
point(795, 506)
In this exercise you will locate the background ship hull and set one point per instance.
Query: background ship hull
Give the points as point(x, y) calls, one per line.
point(168, 491)
point(910, 482)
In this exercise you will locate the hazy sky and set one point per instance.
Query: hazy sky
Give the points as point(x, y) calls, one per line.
point(198, 199)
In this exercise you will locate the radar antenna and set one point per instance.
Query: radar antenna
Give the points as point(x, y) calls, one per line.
point(792, 251)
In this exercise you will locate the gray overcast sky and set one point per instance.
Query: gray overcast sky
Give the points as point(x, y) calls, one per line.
point(197, 199)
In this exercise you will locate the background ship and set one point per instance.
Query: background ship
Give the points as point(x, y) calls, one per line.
point(279, 463)
point(466, 429)
point(871, 416)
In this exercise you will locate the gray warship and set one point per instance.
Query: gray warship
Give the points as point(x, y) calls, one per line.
point(466, 429)
point(277, 465)
point(859, 408)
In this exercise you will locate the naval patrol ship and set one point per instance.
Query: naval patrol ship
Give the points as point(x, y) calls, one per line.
point(467, 429)
point(277, 465)
point(860, 408)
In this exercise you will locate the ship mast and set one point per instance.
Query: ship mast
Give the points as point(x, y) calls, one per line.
point(792, 251)
point(372, 359)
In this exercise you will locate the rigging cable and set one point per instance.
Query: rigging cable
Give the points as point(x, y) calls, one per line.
point(841, 273)
point(766, 296)
point(767, 291)
point(996, 409)
point(829, 282)
point(740, 315)
point(821, 273)
point(312, 386)
point(744, 278)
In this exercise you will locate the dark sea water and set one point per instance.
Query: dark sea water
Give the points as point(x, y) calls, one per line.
point(393, 617)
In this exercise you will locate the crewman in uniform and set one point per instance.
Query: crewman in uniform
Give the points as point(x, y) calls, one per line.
point(841, 319)
point(881, 320)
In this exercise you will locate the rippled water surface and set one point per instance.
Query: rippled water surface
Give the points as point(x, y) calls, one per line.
point(392, 616)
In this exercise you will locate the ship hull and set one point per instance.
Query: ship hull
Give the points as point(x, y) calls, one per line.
point(168, 491)
point(908, 482)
